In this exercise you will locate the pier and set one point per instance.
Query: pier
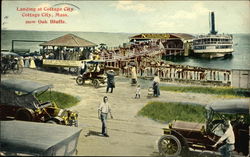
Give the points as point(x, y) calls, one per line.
point(173, 73)
point(146, 55)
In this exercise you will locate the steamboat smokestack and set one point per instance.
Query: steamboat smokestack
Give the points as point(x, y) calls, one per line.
point(212, 23)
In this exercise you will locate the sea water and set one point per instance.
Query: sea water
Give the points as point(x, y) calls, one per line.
point(239, 60)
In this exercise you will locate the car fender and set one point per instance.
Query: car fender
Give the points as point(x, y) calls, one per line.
point(58, 120)
point(25, 114)
point(180, 137)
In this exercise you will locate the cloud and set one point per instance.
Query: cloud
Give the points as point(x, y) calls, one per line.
point(197, 10)
point(164, 24)
point(178, 20)
point(133, 6)
point(42, 5)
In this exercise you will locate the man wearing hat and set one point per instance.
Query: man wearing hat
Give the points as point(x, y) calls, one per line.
point(111, 80)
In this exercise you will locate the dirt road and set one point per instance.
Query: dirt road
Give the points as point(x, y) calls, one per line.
point(130, 135)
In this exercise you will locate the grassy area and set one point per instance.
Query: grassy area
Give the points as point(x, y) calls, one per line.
point(168, 111)
point(61, 99)
point(225, 91)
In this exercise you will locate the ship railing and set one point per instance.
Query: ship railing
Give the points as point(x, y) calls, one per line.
point(213, 42)
point(217, 36)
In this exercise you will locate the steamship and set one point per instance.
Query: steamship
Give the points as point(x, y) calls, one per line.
point(213, 45)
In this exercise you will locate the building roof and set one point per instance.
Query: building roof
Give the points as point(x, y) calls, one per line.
point(183, 35)
point(162, 36)
point(69, 40)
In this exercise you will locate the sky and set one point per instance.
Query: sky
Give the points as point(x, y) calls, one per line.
point(129, 16)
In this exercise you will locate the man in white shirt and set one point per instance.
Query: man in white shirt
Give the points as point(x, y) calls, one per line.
point(103, 111)
point(156, 87)
point(226, 149)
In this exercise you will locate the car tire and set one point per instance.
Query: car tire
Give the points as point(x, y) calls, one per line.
point(80, 80)
point(24, 114)
point(55, 120)
point(169, 146)
point(73, 70)
point(51, 122)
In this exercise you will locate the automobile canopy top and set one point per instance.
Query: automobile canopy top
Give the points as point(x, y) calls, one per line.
point(3, 53)
point(25, 86)
point(231, 106)
point(38, 138)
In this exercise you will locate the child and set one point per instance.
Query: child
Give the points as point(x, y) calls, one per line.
point(138, 92)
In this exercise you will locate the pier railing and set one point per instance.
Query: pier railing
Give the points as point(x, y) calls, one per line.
point(181, 73)
point(149, 62)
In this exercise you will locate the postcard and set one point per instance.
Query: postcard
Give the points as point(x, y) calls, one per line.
point(125, 78)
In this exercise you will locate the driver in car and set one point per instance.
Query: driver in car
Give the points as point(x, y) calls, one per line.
point(227, 148)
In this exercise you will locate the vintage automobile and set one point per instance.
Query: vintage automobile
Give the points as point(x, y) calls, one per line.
point(10, 61)
point(19, 101)
point(20, 138)
point(95, 73)
point(180, 136)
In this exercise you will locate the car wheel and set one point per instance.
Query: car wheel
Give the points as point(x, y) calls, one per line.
point(96, 83)
point(169, 145)
point(55, 120)
point(76, 123)
point(24, 114)
point(80, 80)
point(73, 70)
point(51, 122)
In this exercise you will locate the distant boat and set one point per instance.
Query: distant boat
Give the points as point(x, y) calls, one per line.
point(213, 45)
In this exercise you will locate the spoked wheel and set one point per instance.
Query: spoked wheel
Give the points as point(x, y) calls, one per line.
point(96, 83)
point(169, 145)
point(73, 70)
point(55, 120)
point(17, 69)
point(80, 80)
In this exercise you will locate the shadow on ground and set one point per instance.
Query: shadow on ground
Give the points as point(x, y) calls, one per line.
point(193, 154)
point(93, 133)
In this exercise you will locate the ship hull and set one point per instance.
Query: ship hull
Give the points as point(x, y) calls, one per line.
point(213, 53)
